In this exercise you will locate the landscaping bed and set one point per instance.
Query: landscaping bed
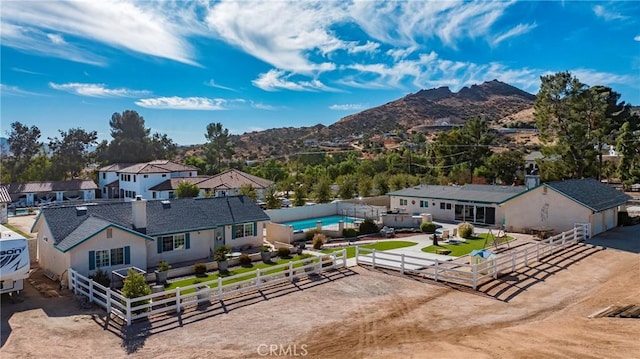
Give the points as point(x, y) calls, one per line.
point(461, 248)
point(379, 246)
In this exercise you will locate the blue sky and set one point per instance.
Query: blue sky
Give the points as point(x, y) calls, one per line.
point(254, 65)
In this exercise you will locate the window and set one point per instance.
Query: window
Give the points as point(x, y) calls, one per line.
point(403, 202)
point(164, 175)
point(173, 242)
point(243, 230)
point(104, 175)
point(117, 256)
point(153, 195)
point(146, 176)
point(104, 190)
point(449, 206)
point(102, 258)
point(442, 205)
point(109, 257)
point(171, 195)
point(424, 204)
point(134, 178)
point(109, 232)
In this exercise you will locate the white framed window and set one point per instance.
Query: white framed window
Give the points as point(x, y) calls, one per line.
point(173, 242)
point(243, 230)
point(424, 204)
point(102, 258)
point(403, 202)
point(117, 256)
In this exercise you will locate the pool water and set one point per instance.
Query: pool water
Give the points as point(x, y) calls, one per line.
point(311, 222)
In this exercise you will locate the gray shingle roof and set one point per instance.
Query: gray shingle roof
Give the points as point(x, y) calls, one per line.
point(51, 186)
point(590, 193)
point(68, 225)
point(470, 192)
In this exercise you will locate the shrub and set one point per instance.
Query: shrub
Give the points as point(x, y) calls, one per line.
point(428, 227)
point(465, 230)
point(163, 266)
point(101, 277)
point(284, 252)
point(245, 260)
point(200, 268)
point(135, 286)
point(368, 226)
point(220, 254)
point(265, 249)
point(326, 261)
point(308, 235)
point(318, 240)
point(349, 233)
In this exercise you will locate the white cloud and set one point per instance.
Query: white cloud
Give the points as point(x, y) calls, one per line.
point(183, 103)
point(146, 28)
point(348, 107)
point(96, 90)
point(607, 13)
point(24, 71)
point(592, 77)
point(637, 38)
point(518, 30)
point(6, 90)
point(263, 106)
point(212, 83)
point(275, 80)
point(401, 53)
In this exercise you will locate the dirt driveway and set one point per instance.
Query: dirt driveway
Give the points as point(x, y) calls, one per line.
point(539, 312)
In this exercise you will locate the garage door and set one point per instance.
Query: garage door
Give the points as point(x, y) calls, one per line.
point(597, 223)
point(610, 216)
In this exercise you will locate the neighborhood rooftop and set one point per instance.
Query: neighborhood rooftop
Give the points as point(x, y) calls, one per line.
point(51, 186)
point(68, 224)
point(469, 192)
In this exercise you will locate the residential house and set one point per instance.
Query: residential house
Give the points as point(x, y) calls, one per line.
point(472, 203)
point(5, 199)
point(43, 192)
point(558, 206)
point(142, 233)
point(123, 180)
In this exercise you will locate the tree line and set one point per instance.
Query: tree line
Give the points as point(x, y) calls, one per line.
point(575, 122)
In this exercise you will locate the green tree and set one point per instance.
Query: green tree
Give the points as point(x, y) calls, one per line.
point(299, 196)
point(248, 190)
point(187, 189)
point(477, 137)
point(322, 190)
point(218, 147)
point(628, 147)
point(196, 162)
point(381, 183)
point(365, 186)
point(347, 186)
point(70, 152)
point(162, 147)
point(504, 166)
point(271, 198)
point(135, 286)
point(130, 139)
point(24, 145)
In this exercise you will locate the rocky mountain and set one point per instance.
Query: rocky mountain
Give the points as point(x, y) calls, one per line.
point(494, 101)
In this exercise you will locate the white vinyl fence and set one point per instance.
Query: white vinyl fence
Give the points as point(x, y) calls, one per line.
point(470, 274)
point(176, 300)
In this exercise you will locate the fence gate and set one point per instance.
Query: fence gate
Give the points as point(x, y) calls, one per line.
point(585, 227)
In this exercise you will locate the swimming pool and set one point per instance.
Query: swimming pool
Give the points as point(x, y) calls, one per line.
point(311, 222)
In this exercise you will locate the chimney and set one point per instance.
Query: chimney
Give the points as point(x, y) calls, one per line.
point(531, 181)
point(139, 212)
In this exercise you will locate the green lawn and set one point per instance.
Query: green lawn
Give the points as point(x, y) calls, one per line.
point(379, 246)
point(13, 228)
point(234, 271)
point(462, 248)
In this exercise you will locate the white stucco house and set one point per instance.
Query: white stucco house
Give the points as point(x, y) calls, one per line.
point(474, 203)
point(560, 205)
point(142, 233)
point(122, 180)
point(5, 199)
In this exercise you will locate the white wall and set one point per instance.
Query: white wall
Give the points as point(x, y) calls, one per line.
point(413, 206)
point(200, 243)
point(49, 258)
point(303, 212)
point(79, 255)
point(536, 209)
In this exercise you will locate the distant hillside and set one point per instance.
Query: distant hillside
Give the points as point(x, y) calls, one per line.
point(492, 100)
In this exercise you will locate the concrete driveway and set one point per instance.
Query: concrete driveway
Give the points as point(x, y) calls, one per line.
point(622, 238)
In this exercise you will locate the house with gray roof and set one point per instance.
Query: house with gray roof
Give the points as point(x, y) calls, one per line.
point(558, 206)
point(472, 203)
point(44, 192)
point(142, 233)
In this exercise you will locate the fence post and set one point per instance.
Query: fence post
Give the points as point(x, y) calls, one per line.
point(344, 257)
point(474, 275)
point(220, 288)
point(436, 270)
point(291, 271)
point(563, 239)
point(513, 262)
point(373, 260)
point(320, 265)
point(357, 255)
point(108, 300)
point(538, 252)
point(128, 300)
point(178, 300)
point(258, 278)
point(402, 263)
point(90, 291)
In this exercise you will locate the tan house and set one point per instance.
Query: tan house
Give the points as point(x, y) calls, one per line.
point(142, 233)
point(558, 206)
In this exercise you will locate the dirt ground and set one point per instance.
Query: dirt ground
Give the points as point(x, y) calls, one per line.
point(538, 312)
